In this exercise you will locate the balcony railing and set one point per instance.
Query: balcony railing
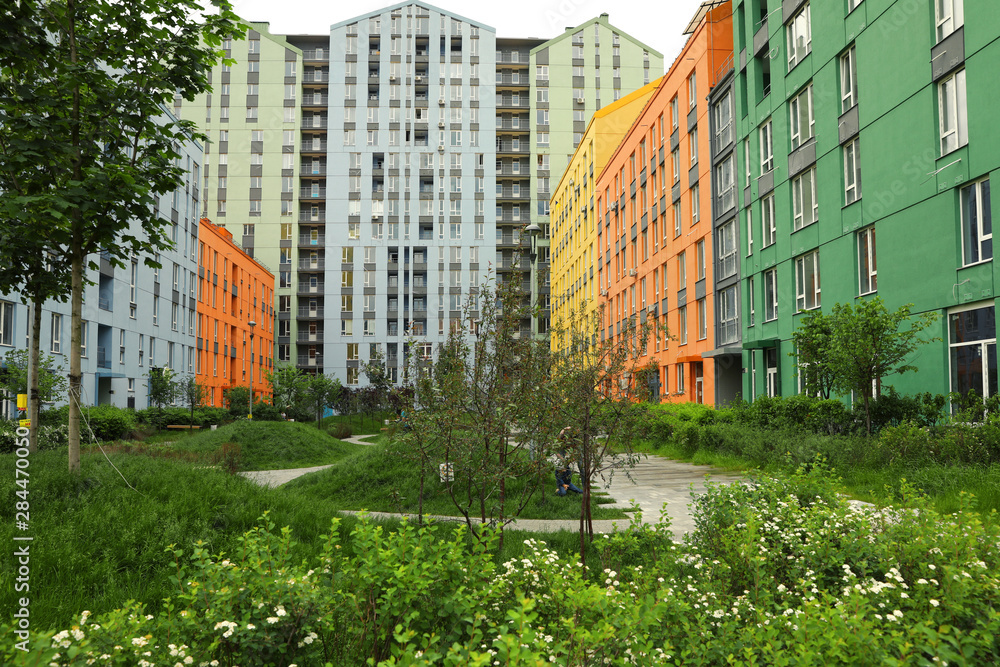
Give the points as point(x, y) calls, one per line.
point(306, 239)
point(307, 216)
point(320, 123)
point(306, 337)
point(102, 358)
point(315, 77)
point(315, 54)
point(318, 193)
point(315, 100)
point(313, 146)
point(307, 168)
point(305, 311)
point(310, 265)
point(306, 360)
point(306, 288)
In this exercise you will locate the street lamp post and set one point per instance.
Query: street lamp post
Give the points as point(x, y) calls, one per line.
point(252, 325)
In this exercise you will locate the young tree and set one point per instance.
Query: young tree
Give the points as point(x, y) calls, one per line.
point(322, 392)
point(601, 386)
point(377, 373)
point(161, 388)
point(812, 341)
point(237, 400)
point(289, 388)
point(14, 379)
point(192, 393)
point(868, 342)
point(86, 144)
point(479, 408)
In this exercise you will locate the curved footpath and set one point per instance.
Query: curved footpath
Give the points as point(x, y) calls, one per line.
point(654, 480)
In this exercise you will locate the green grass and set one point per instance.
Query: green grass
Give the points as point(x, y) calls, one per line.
point(269, 445)
point(380, 479)
point(360, 424)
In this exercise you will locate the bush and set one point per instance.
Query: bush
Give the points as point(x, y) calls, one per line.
point(106, 422)
point(340, 430)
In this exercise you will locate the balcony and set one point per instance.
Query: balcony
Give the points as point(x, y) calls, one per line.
point(311, 265)
point(521, 148)
point(102, 358)
point(509, 193)
point(315, 100)
point(306, 288)
point(309, 240)
point(307, 337)
point(316, 77)
point(311, 362)
point(305, 312)
point(307, 216)
point(309, 169)
point(312, 193)
point(315, 123)
point(316, 54)
point(315, 146)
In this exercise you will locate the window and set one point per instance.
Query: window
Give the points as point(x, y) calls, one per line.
point(867, 266)
point(727, 250)
point(682, 271)
point(807, 281)
point(677, 219)
point(751, 301)
point(977, 224)
point(726, 184)
point(682, 325)
point(6, 323)
point(848, 80)
point(83, 337)
point(542, 72)
point(972, 342)
point(692, 91)
point(695, 204)
point(766, 147)
point(700, 257)
point(768, 224)
point(674, 112)
point(680, 378)
point(56, 347)
point(724, 121)
point(693, 145)
point(799, 35)
point(702, 319)
point(804, 208)
point(675, 160)
point(949, 16)
point(801, 120)
point(852, 172)
point(770, 295)
point(952, 118)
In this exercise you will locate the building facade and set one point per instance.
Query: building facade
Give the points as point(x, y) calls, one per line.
point(572, 215)
point(815, 84)
point(654, 204)
point(235, 312)
point(135, 317)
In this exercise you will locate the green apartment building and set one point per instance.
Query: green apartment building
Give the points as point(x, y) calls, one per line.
point(867, 142)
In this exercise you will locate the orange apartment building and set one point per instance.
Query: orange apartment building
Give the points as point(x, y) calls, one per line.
point(235, 317)
point(654, 203)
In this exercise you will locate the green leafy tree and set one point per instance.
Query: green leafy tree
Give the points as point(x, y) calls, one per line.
point(192, 393)
point(379, 382)
point(86, 147)
point(14, 378)
point(289, 390)
point(161, 388)
point(867, 342)
point(322, 392)
point(812, 342)
point(601, 386)
point(237, 400)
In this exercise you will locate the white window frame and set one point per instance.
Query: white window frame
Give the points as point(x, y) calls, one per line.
point(801, 118)
point(953, 127)
point(848, 79)
point(852, 171)
point(766, 134)
point(56, 336)
point(867, 262)
point(807, 292)
point(799, 32)
point(771, 295)
point(977, 243)
point(949, 16)
point(768, 223)
point(804, 212)
point(6, 323)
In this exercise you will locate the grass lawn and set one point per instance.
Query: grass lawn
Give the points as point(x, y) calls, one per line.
point(379, 479)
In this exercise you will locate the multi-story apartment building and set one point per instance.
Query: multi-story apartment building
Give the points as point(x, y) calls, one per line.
point(653, 203)
point(135, 317)
point(574, 224)
point(235, 317)
point(814, 84)
point(409, 147)
point(575, 74)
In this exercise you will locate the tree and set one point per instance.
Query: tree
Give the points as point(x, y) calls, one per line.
point(322, 392)
point(866, 343)
point(289, 388)
point(51, 383)
point(481, 406)
point(377, 373)
point(86, 145)
point(161, 388)
point(811, 341)
point(237, 399)
point(601, 386)
point(192, 393)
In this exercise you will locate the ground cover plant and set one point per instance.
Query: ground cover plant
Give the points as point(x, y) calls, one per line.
point(780, 572)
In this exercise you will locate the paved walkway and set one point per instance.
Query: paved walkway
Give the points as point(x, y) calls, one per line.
point(654, 480)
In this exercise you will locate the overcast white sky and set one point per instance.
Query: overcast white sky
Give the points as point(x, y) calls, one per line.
point(658, 24)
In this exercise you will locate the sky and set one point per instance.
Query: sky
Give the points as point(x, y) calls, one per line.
point(656, 24)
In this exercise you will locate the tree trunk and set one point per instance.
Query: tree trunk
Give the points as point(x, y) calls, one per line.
point(33, 374)
point(76, 300)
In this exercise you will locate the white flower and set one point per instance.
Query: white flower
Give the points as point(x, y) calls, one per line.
point(934, 603)
point(272, 619)
point(251, 626)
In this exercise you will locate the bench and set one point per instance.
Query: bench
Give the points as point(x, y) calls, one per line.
point(184, 426)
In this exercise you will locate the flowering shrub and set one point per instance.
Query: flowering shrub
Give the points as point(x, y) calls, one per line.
point(778, 572)
point(49, 437)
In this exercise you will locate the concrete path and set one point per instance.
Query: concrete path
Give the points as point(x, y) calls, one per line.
point(654, 480)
